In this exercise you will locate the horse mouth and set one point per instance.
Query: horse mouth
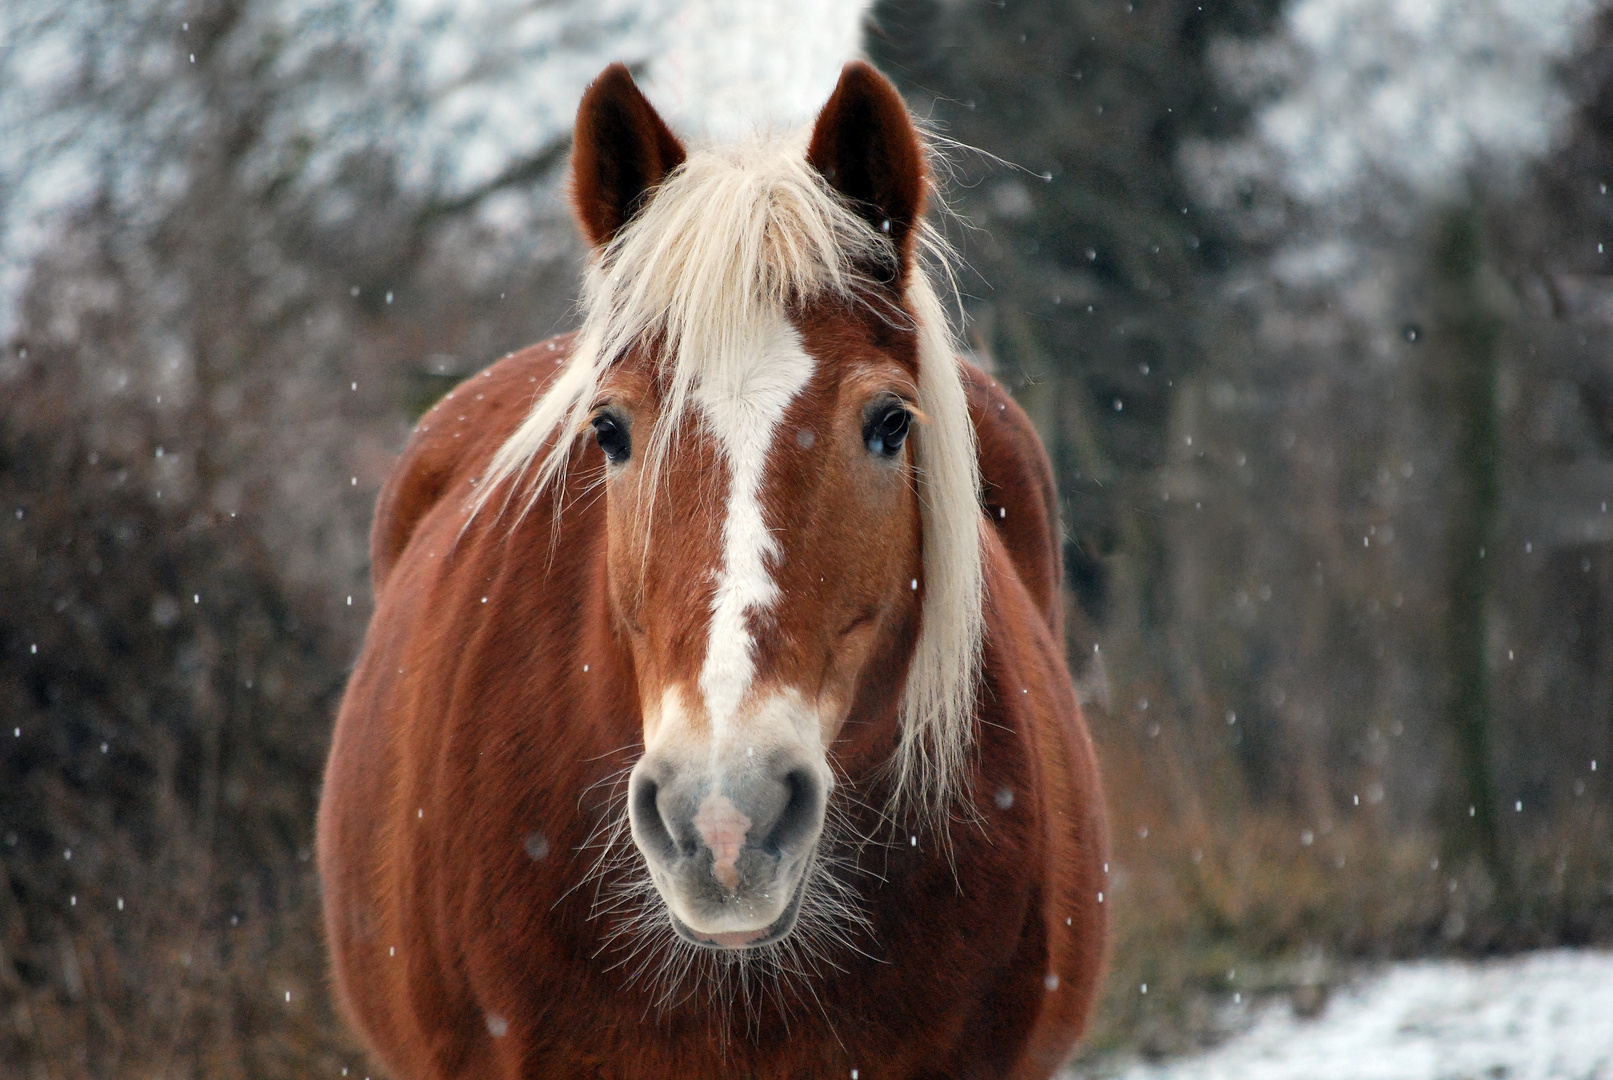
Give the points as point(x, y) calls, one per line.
point(737, 941)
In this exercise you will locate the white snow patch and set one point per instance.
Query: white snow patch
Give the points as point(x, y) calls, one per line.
point(1532, 1017)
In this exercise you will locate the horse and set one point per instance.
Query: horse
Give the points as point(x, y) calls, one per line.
point(713, 717)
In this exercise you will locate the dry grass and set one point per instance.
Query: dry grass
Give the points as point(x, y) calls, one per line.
point(1220, 904)
point(174, 995)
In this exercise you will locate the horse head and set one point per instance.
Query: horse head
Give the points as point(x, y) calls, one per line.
point(785, 459)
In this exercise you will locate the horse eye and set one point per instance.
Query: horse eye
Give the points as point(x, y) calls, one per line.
point(613, 438)
point(886, 432)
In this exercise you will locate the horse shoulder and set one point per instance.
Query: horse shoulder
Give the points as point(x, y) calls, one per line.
point(458, 434)
point(1068, 943)
point(1018, 492)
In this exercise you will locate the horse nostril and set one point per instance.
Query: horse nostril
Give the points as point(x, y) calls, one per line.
point(644, 809)
point(802, 815)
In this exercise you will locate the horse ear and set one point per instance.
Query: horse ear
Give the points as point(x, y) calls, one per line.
point(865, 145)
point(622, 149)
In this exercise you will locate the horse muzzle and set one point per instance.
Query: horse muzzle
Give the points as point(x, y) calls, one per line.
point(729, 849)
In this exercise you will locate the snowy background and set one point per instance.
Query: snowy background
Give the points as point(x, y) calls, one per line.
point(1308, 299)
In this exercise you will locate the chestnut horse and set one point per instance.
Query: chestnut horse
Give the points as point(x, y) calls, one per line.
point(713, 719)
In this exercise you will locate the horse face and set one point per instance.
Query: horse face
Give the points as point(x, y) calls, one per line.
point(754, 570)
point(764, 529)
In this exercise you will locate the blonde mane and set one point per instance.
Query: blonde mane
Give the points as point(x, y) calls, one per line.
point(727, 244)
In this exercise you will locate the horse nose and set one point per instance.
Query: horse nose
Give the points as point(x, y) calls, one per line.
point(767, 814)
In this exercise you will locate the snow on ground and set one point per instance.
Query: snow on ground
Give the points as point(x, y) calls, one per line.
point(1532, 1017)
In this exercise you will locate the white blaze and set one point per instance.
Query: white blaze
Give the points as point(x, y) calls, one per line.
point(723, 827)
point(742, 409)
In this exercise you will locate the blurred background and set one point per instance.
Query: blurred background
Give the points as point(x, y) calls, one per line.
point(1308, 298)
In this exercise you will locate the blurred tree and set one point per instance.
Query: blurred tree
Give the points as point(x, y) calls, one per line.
point(1467, 331)
point(1407, 201)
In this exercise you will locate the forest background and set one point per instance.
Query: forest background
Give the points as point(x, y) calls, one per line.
point(1309, 300)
